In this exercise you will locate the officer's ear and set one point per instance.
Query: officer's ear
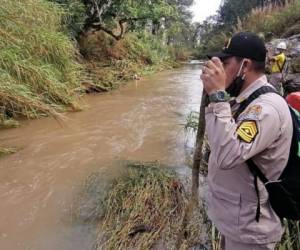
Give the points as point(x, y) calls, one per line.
point(247, 65)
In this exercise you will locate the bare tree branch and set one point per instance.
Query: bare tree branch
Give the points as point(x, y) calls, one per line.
point(103, 8)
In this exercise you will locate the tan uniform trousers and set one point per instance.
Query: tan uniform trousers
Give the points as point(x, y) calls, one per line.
point(228, 244)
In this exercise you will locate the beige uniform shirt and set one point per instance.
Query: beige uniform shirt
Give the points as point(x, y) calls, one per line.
point(232, 200)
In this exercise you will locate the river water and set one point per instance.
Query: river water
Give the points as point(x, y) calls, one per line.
point(140, 121)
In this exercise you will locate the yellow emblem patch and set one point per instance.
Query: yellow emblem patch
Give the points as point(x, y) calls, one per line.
point(247, 131)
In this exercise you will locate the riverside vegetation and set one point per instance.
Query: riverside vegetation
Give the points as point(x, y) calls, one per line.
point(54, 51)
point(38, 72)
point(144, 208)
point(42, 69)
point(51, 53)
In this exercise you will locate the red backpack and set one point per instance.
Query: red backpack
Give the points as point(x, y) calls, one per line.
point(293, 99)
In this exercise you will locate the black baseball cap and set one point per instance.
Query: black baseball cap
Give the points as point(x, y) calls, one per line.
point(244, 45)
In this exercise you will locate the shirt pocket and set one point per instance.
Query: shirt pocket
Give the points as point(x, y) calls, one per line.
point(225, 207)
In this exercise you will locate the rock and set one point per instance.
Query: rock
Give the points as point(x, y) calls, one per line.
point(294, 29)
point(295, 78)
point(292, 83)
point(295, 65)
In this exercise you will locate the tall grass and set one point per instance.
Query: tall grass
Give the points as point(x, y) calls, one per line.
point(145, 209)
point(38, 72)
point(273, 21)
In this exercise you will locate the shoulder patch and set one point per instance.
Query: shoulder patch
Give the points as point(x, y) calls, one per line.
point(251, 113)
point(247, 131)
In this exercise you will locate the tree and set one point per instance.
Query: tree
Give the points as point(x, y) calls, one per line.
point(115, 17)
point(112, 15)
point(232, 10)
point(179, 30)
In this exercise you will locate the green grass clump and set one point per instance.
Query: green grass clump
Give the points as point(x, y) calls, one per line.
point(7, 151)
point(145, 209)
point(191, 122)
point(38, 72)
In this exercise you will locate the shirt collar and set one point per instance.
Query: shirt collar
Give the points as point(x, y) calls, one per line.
point(251, 88)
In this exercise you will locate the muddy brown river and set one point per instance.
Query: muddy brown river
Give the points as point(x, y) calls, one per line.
point(140, 121)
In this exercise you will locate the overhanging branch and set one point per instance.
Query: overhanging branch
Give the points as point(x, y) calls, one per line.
point(100, 26)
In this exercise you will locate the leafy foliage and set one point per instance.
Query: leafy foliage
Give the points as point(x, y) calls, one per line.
point(74, 17)
point(116, 17)
point(112, 15)
point(232, 10)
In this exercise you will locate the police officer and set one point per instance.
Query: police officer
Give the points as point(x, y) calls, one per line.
point(262, 133)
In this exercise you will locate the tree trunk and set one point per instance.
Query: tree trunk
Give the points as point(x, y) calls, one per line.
point(95, 23)
point(103, 8)
point(198, 150)
point(93, 27)
point(155, 27)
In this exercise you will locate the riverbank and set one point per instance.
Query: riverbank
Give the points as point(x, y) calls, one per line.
point(140, 121)
point(145, 209)
point(108, 63)
point(45, 73)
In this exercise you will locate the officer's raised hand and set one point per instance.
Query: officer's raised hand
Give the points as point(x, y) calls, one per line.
point(213, 76)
